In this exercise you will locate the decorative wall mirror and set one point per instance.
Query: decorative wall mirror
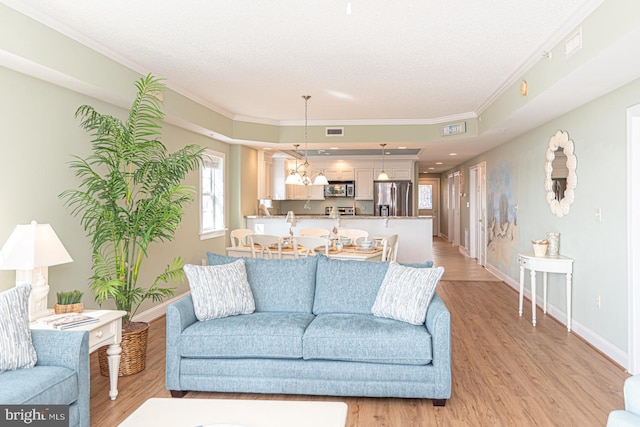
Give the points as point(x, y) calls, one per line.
point(560, 174)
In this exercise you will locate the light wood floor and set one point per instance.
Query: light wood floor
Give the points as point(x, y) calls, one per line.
point(505, 371)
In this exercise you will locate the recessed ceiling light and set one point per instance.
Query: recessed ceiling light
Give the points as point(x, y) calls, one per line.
point(438, 163)
point(431, 168)
point(453, 154)
point(402, 148)
point(334, 148)
point(267, 148)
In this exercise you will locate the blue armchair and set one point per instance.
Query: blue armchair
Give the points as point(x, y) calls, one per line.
point(630, 416)
point(60, 377)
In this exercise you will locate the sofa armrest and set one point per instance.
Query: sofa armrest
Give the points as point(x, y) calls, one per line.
point(69, 349)
point(180, 314)
point(438, 323)
point(632, 394)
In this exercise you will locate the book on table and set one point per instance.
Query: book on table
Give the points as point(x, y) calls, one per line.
point(67, 320)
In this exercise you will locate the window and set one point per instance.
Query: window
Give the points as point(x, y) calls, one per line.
point(425, 196)
point(212, 195)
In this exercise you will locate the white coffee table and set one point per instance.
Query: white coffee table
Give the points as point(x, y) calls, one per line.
point(159, 412)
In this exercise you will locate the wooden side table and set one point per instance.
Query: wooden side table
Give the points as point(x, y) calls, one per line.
point(546, 264)
point(106, 331)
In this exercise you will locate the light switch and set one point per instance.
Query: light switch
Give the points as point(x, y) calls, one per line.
point(598, 215)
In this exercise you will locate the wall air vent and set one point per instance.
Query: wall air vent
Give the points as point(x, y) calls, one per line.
point(333, 131)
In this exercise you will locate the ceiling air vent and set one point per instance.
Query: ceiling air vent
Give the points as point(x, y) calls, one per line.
point(333, 131)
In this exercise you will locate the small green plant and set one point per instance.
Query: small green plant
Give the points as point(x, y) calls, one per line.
point(69, 297)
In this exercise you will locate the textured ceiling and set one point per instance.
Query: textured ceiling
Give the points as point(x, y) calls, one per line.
point(388, 62)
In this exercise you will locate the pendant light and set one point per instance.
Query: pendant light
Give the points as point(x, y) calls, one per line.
point(294, 177)
point(306, 175)
point(383, 175)
point(305, 179)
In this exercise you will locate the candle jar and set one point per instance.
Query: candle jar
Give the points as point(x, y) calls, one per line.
point(554, 244)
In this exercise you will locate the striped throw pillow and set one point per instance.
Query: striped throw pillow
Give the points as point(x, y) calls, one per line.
point(405, 293)
point(16, 347)
point(220, 290)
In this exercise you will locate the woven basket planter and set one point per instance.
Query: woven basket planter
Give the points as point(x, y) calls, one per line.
point(133, 358)
point(68, 308)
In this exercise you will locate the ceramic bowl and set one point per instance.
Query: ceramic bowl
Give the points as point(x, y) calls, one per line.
point(346, 241)
point(366, 244)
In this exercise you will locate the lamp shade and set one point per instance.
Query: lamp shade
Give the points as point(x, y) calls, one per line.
point(383, 176)
point(291, 217)
point(32, 246)
point(321, 179)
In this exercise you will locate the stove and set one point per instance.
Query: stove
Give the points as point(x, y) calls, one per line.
point(344, 211)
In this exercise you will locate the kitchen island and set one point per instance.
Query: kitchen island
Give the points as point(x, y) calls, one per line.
point(414, 233)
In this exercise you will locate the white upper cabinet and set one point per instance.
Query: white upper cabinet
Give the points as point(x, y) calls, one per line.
point(265, 175)
point(363, 172)
point(305, 192)
point(364, 183)
point(339, 174)
point(280, 173)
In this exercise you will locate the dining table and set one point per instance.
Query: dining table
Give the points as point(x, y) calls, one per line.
point(348, 252)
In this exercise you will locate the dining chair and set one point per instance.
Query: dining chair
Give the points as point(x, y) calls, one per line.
point(390, 247)
point(303, 246)
point(315, 232)
point(239, 236)
point(354, 234)
point(265, 246)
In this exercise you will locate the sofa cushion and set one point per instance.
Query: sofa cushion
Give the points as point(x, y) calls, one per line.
point(278, 285)
point(347, 286)
point(272, 335)
point(366, 338)
point(53, 385)
point(406, 292)
point(220, 290)
point(16, 347)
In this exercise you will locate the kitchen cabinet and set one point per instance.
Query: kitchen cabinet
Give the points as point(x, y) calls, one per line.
point(395, 173)
point(279, 174)
point(305, 192)
point(364, 183)
point(335, 174)
point(363, 172)
point(265, 175)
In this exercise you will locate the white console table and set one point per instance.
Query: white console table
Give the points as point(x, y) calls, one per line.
point(545, 264)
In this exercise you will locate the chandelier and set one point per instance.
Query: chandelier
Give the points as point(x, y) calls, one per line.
point(295, 177)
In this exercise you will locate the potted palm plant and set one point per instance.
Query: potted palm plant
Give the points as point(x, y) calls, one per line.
point(130, 196)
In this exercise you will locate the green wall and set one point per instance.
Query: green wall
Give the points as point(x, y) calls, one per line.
point(39, 136)
point(599, 132)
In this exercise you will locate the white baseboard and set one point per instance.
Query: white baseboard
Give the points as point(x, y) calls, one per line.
point(156, 311)
point(464, 251)
point(607, 348)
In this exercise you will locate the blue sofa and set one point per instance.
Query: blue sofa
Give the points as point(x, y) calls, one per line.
point(312, 332)
point(60, 376)
point(630, 416)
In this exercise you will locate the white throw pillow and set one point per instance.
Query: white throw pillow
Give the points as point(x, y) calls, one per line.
point(220, 290)
point(16, 347)
point(405, 293)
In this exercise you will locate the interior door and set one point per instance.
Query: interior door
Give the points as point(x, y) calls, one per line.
point(429, 201)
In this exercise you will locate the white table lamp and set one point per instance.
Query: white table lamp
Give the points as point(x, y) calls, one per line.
point(30, 250)
point(291, 219)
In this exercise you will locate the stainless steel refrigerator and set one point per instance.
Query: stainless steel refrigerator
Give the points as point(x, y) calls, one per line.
point(392, 198)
